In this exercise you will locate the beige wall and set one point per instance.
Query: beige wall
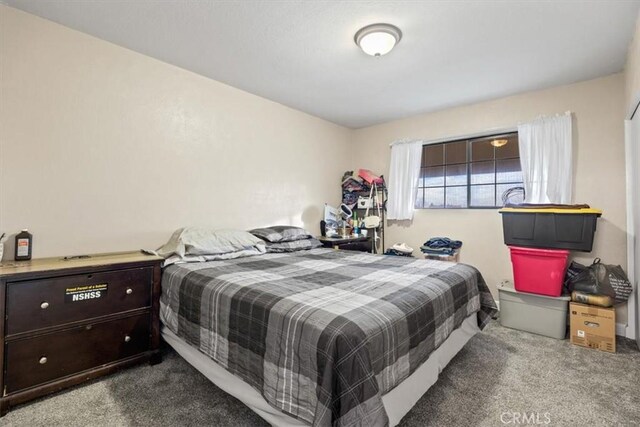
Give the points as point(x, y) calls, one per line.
point(599, 168)
point(632, 71)
point(104, 149)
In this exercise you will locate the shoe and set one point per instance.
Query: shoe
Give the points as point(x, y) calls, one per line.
point(402, 247)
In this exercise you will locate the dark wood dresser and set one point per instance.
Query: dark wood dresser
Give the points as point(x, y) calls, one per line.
point(65, 321)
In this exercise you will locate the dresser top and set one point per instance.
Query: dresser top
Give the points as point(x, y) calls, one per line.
point(10, 268)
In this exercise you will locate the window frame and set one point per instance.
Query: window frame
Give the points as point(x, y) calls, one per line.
point(468, 140)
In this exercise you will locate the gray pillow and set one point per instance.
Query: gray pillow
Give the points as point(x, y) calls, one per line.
point(207, 241)
point(295, 245)
point(175, 259)
point(281, 233)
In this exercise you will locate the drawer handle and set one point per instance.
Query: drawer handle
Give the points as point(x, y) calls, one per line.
point(129, 291)
point(43, 360)
point(44, 305)
point(127, 338)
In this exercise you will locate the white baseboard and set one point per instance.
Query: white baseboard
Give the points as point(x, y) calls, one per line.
point(625, 331)
point(621, 329)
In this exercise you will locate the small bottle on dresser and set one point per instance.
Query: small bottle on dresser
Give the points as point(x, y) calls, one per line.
point(24, 241)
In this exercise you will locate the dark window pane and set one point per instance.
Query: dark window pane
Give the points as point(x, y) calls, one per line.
point(456, 152)
point(457, 174)
point(434, 197)
point(483, 195)
point(420, 199)
point(510, 149)
point(482, 173)
point(471, 173)
point(433, 155)
point(508, 170)
point(456, 197)
point(505, 196)
point(432, 177)
point(481, 150)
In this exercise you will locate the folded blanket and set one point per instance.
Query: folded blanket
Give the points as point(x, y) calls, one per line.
point(437, 251)
point(545, 205)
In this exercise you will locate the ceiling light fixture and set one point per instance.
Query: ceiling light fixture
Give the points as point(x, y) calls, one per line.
point(499, 142)
point(377, 39)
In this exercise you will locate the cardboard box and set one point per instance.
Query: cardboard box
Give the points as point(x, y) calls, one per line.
point(593, 326)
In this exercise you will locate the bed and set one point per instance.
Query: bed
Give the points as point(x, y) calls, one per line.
point(323, 337)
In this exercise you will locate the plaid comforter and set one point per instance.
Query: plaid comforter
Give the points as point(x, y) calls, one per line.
point(322, 334)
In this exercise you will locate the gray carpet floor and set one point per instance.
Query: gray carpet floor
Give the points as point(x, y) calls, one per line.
point(499, 374)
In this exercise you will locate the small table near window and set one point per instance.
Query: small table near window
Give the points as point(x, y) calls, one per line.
point(357, 243)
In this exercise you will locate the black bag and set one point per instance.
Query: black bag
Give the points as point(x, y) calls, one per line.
point(574, 271)
point(599, 279)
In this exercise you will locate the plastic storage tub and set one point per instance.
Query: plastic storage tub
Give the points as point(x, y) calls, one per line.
point(539, 271)
point(551, 228)
point(449, 258)
point(538, 314)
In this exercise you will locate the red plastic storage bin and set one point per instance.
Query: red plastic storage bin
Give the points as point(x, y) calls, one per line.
point(539, 271)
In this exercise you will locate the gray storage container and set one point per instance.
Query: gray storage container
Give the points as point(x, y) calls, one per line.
point(538, 314)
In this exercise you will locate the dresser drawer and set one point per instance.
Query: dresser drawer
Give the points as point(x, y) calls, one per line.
point(34, 361)
point(37, 304)
point(355, 246)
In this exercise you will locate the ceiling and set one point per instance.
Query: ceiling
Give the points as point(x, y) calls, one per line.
point(302, 54)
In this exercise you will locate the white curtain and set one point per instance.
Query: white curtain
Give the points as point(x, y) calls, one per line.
point(404, 172)
point(545, 156)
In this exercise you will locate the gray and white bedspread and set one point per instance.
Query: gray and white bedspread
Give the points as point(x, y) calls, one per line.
point(322, 334)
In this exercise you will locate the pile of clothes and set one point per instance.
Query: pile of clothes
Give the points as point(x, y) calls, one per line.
point(400, 249)
point(354, 187)
point(441, 246)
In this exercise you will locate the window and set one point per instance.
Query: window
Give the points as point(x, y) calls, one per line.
point(472, 173)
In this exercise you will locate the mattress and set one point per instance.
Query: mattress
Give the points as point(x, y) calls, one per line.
point(322, 335)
